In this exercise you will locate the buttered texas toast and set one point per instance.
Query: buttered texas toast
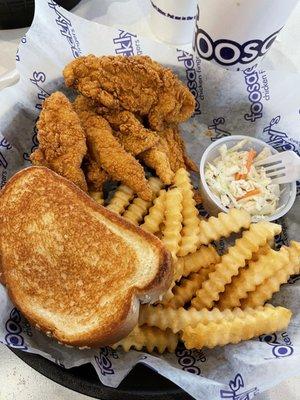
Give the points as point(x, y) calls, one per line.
point(76, 270)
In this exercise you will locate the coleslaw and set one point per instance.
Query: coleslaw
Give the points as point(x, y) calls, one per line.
point(237, 182)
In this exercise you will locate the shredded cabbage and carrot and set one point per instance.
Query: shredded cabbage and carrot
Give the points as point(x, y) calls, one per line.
point(237, 182)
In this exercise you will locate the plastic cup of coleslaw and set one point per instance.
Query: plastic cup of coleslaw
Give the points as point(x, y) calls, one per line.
point(212, 202)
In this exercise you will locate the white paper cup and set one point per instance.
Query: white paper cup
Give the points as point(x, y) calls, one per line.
point(213, 204)
point(236, 34)
point(173, 21)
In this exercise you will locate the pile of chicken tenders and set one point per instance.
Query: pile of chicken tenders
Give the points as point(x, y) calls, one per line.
point(125, 117)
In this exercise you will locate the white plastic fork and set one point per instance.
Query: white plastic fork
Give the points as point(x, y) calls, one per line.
point(282, 167)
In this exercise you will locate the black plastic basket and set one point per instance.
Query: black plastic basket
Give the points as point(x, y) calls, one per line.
point(19, 13)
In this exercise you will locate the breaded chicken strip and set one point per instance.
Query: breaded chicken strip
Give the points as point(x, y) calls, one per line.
point(109, 153)
point(137, 84)
point(131, 133)
point(177, 152)
point(94, 174)
point(157, 158)
point(129, 130)
point(62, 143)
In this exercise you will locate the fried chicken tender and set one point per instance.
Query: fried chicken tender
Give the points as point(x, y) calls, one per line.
point(157, 158)
point(177, 153)
point(62, 143)
point(131, 133)
point(109, 153)
point(168, 155)
point(94, 174)
point(136, 84)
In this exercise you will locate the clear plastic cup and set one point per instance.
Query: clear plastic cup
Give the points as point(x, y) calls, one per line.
point(213, 204)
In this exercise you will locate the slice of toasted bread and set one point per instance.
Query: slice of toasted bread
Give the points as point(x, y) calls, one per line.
point(76, 270)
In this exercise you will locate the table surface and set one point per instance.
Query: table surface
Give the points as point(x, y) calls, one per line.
point(17, 380)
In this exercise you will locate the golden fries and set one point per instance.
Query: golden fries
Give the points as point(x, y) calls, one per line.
point(165, 317)
point(155, 217)
point(121, 199)
point(202, 258)
point(236, 257)
point(173, 219)
point(271, 285)
point(223, 226)
point(253, 323)
point(254, 275)
point(139, 207)
point(246, 276)
point(97, 196)
point(294, 253)
point(191, 228)
point(150, 338)
point(265, 290)
point(262, 250)
point(187, 289)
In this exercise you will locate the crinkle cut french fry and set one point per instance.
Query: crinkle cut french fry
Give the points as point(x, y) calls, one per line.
point(168, 294)
point(186, 290)
point(252, 324)
point(178, 268)
point(121, 199)
point(254, 275)
point(155, 217)
point(165, 317)
point(261, 251)
point(271, 285)
point(223, 226)
point(190, 222)
point(265, 290)
point(294, 252)
point(139, 207)
point(156, 185)
point(97, 196)
point(236, 257)
point(202, 258)
point(173, 219)
point(150, 338)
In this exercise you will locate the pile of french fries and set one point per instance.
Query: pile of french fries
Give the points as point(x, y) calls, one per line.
point(213, 300)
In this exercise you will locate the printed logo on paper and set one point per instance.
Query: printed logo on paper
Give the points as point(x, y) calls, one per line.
point(127, 44)
point(280, 344)
point(3, 161)
point(215, 128)
point(257, 88)
point(23, 41)
point(39, 77)
point(280, 140)
point(187, 359)
point(172, 16)
point(35, 142)
point(237, 390)
point(66, 29)
point(14, 337)
point(5, 145)
point(192, 67)
point(103, 360)
point(228, 52)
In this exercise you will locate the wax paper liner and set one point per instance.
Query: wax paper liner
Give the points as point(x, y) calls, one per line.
point(258, 102)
